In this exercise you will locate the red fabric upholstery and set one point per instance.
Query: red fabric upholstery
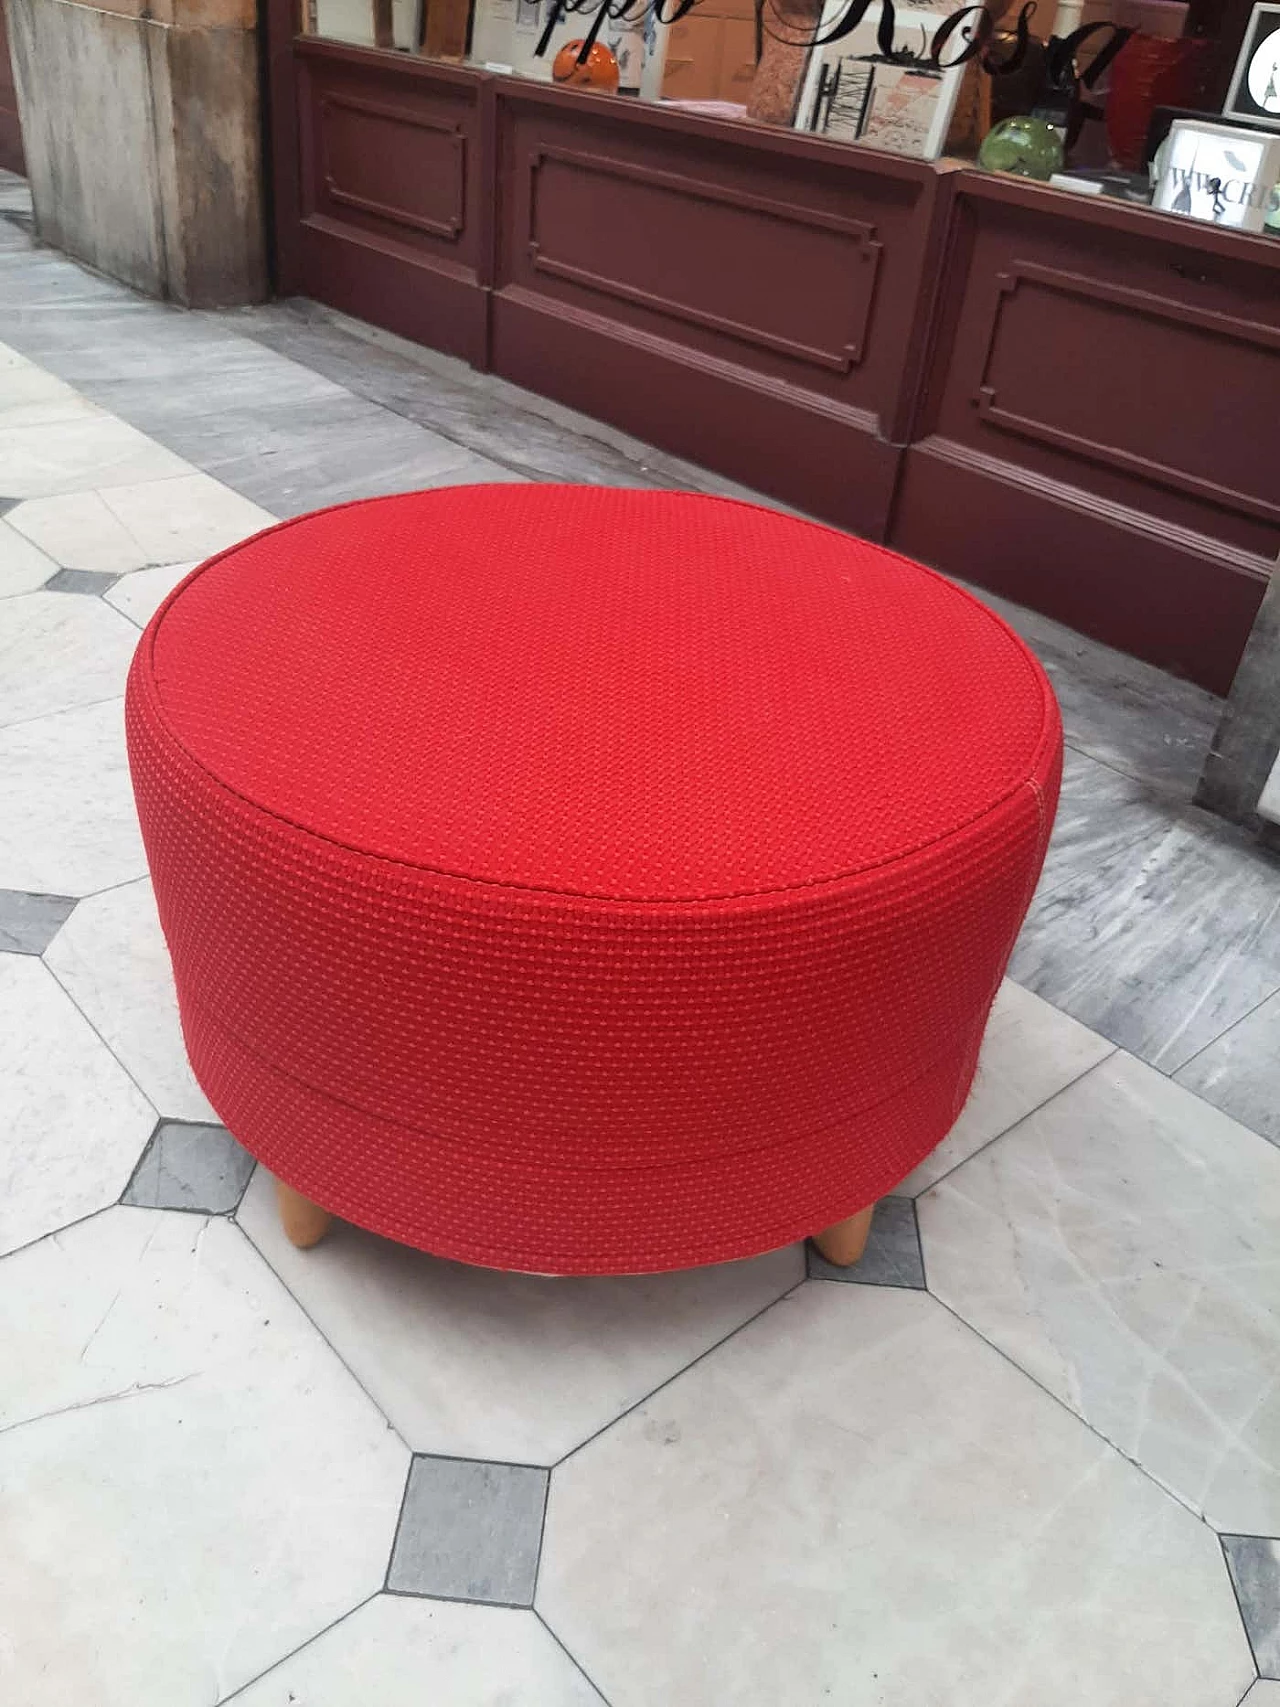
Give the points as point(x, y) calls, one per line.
point(583, 880)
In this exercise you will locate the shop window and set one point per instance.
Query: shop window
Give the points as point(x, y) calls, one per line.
point(1081, 91)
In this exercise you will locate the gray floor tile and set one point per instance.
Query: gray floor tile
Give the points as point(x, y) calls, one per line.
point(1117, 709)
point(293, 458)
point(1164, 944)
point(1101, 812)
point(189, 1166)
point(532, 436)
point(892, 1256)
point(470, 1530)
point(1240, 1071)
point(90, 582)
point(1255, 1570)
point(29, 923)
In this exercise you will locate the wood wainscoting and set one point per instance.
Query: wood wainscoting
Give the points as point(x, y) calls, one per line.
point(1068, 401)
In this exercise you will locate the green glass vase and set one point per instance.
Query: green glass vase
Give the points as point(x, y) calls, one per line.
point(1026, 147)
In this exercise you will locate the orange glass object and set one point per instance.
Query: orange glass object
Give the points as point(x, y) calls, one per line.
point(598, 71)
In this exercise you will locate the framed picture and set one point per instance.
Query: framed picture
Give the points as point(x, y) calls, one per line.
point(855, 94)
point(1255, 84)
point(1217, 173)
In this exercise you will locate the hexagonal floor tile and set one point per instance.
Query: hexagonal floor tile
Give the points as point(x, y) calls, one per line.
point(409, 1653)
point(191, 1485)
point(111, 958)
point(56, 653)
point(187, 1165)
point(471, 1362)
point(1254, 1563)
point(29, 923)
point(23, 566)
point(78, 531)
point(69, 825)
point(183, 520)
point(82, 449)
point(856, 1500)
point(73, 1123)
point(140, 595)
point(1030, 1053)
point(1120, 1245)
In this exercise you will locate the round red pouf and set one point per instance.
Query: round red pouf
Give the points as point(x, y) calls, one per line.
point(586, 881)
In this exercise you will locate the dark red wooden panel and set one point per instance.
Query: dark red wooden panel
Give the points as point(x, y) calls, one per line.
point(1102, 388)
point(742, 296)
point(392, 195)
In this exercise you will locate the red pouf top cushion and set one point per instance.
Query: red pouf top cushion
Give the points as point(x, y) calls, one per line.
point(586, 880)
point(644, 696)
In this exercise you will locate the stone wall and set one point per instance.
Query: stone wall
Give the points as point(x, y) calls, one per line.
point(141, 124)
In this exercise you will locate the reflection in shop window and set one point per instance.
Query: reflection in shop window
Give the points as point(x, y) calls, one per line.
point(1027, 86)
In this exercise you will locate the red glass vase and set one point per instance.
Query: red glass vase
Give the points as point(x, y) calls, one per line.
point(1151, 72)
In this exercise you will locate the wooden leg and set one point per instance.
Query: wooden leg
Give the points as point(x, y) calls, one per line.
point(304, 1222)
point(844, 1243)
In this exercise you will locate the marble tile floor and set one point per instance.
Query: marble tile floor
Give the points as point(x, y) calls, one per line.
point(1027, 1453)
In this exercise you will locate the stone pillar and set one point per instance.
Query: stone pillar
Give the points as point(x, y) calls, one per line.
point(141, 122)
point(1248, 736)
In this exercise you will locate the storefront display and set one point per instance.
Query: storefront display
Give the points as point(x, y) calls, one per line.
point(917, 78)
point(807, 248)
point(1255, 85)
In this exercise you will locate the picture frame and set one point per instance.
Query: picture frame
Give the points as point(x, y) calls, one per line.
point(1254, 92)
point(1217, 173)
point(852, 93)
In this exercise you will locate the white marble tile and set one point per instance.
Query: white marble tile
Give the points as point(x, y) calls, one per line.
point(487, 1365)
point(177, 521)
point(111, 959)
point(73, 1123)
point(79, 453)
point(68, 825)
point(418, 1653)
point(58, 652)
point(140, 595)
point(1030, 1053)
point(1123, 1246)
point(79, 532)
point(1239, 1072)
point(23, 566)
point(191, 1485)
point(30, 394)
point(1263, 1694)
point(854, 1500)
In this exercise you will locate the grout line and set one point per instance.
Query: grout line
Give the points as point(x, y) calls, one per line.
point(142, 1156)
point(455, 1599)
point(253, 1244)
point(395, 1534)
point(101, 1039)
point(1083, 1421)
point(64, 710)
point(276, 1664)
point(56, 1232)
point(110, 889)
point(675, 1376)
point(542, 1535)
point(915, 1222)
point(1217, 1038)
point(573, 1659)
point(1053, 1096)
